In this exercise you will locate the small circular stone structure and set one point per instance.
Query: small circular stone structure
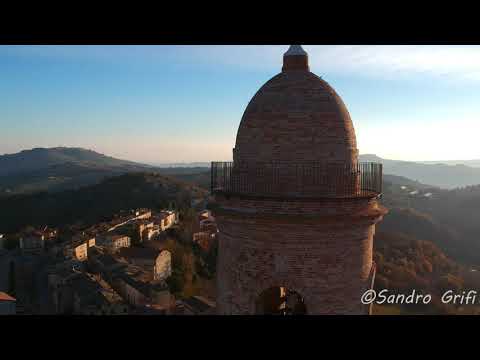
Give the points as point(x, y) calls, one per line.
point(295, 209)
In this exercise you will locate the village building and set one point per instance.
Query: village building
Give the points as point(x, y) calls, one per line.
point(59, 285)
point(204, 239)
point(74, 291)
point(22, 270)
point(207, 221)
point(143, 214)
point(122, 220)
point(205, 232)
point(136, 285)
point(32, 242)
point(208, 225)
point(50, 233)
point(166, 219)
point(35, 241)
point(153, 309)
point(138, 289)
point(80, 252)
point(7, 304)
point(146, 230)
point(104, 264)
point(93, 297)
point(152, 233)
point(6, 265)
point(115, 242)
point(79, 246)
point(195, 305)
point(158, 262)
point(96, 229)
point(204, 215)
point(56, 250)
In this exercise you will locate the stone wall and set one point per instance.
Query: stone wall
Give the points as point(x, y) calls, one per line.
point(299, 208)
point(329, 265)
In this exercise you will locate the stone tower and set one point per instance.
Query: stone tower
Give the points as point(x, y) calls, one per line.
point(295, 209)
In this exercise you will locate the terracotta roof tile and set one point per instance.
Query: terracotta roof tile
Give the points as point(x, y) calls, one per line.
point(6, 297)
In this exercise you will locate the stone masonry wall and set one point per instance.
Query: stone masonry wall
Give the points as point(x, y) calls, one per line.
point(302, 209)
point(329, 265)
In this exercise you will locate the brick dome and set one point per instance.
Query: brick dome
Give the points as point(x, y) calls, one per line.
point(296, 117)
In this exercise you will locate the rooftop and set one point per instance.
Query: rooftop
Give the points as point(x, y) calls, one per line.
point(91, 291)
point(108, 260)
point(136, 278)
point(199, 304)
point(139, 252)
point(102, 256)
point(144, 221)
point(116, 237)
point(165, 214)
point(6, 297)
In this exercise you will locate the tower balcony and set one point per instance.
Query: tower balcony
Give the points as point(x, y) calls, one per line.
point(303, 180)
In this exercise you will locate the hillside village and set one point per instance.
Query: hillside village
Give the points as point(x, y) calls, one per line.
point(123, 266)
point(159, 260)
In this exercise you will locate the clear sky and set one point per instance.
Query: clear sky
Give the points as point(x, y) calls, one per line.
point(159, 104)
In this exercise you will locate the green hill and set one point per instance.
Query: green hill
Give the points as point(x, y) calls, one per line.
point(36, 159)
point(58, 169)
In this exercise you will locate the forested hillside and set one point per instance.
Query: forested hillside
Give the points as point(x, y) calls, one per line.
point(94, 203)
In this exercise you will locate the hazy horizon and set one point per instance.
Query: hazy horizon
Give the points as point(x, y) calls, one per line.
point(183, 104)
point(201, 162)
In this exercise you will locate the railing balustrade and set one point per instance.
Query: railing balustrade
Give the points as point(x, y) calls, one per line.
point(299, 180)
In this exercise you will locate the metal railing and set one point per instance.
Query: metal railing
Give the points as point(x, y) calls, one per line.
point(297, 180)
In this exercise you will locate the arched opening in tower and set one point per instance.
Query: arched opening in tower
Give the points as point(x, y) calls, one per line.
point(280, 301)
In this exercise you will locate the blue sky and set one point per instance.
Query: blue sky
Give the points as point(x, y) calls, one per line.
point(159, 104)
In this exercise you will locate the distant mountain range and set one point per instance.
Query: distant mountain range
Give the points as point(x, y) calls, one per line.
point(444, 174)
point(183, 165)
point(63, 168)
point(436, 174)
point(471, 163)
point(447, 174)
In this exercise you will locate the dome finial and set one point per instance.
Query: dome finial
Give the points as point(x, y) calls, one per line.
point(295, 59)
point(295, 50)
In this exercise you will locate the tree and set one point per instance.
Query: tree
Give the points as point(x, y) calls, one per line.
point(183, 199)
point(176, 282)
point(188, 218)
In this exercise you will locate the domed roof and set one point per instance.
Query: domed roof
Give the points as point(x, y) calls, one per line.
point(296, 116)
